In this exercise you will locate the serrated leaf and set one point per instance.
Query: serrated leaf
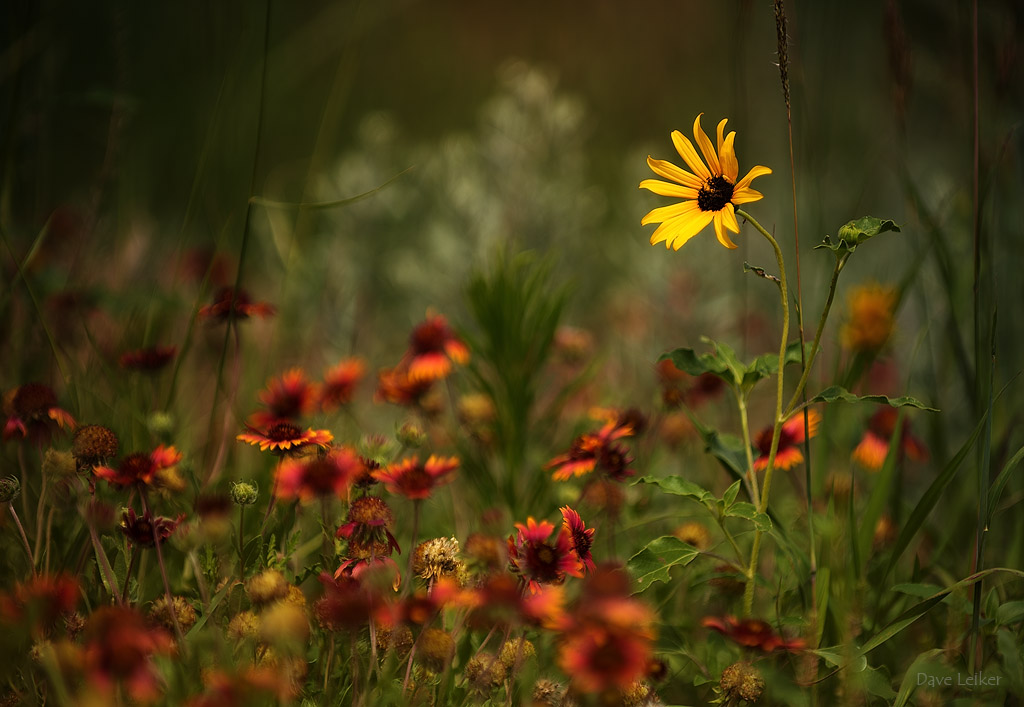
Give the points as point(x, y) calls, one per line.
point(748, 512)
point(652, 564)
point(679, 486)
point(839, 394)
point(857, 232)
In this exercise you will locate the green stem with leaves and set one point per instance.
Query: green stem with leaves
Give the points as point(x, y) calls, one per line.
point(748, 594)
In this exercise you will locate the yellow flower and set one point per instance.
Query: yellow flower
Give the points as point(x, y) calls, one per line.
point(710, 192)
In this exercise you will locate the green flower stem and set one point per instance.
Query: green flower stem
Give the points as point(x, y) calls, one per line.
point(840, 264)
point(750, 480)
point(755, 551)
point(729, 537)
point(163, 568)
point(24, 538)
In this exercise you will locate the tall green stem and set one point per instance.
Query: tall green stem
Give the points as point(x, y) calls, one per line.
point(748, 594)
point(750, 480)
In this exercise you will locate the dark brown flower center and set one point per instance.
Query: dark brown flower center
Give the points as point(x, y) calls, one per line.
point(283, 431)
point(715, 194)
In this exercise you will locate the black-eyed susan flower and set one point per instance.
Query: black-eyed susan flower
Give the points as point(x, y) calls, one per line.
point(282, 437)
point(791, 437)
point(874, 445)
point(711, 191)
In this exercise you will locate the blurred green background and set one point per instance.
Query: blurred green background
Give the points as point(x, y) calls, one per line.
point(133, 135)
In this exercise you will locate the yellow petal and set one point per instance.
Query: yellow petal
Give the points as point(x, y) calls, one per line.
point(686, 150)
point(706, 147)
point(669, 189)
point(720, 233)
point(664, 213)
point(754, 173)
point(676, 174)
point(721, 133)
point(745, 196)
point(679, 230)
point(729, 218)
point(727, 155)
point(668, 229)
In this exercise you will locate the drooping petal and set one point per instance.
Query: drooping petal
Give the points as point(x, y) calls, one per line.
point(689, 154)
point(676, 174)
point(669, 228)
point(721, 133)
point(754, 172)
point(727, 155)
point(689, 227)
point(729, 218)
point(669, 189)
point(745, 196)
point(706, 147)
point(720, 233)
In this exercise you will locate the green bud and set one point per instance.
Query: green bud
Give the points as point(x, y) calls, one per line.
point(10, 488)
point(411, 435)
point(161, 425)
point(244, 493)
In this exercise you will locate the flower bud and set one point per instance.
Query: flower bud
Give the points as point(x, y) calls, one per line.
point(244, 493)
point(411, 435)
point(10, 489)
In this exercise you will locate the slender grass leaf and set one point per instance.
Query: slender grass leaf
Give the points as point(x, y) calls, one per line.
point(882, 490)
point(909, 683)
point(653, 562)
point(996, 489)
point(214, 603)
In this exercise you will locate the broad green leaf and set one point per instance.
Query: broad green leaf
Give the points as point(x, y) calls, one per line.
point(857, 232)
point(696, 364)
point(747, 511)
point(652, 564)
point(1010, 613)
point(837, 656)
point(839, 394)
point(909, 683)
point(767, 365)
point(679, 486)
point(729, 497)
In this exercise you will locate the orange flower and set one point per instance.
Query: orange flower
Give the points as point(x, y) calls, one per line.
point(539, 561)
point(414, 480)
point(581, 537)
point(281, 437)
point(874, 445)
point(320, 477)
point(119, 649)
point(791, 437)
point(149, 359)
point(433, 346)
point(44, 599)
point(340, 383)
point(395, 386)
point(140, 468)
point(870, 320)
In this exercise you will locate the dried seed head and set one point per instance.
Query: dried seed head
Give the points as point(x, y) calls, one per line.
point(514, 653)
point(160, 613)
point(743, 681)
point(782, 38)
point(266, 587)
point(485, 673)
point(437, 558)
point(397, 639)
point(245, 624)
point(371, 510)
point(547, 693)
point(94, 444)
point(434, 649)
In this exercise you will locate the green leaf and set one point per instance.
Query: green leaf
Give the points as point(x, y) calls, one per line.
point(729, 497)
point(997, 486)
point(652, 564)
point(856, 233)
point(747, 511)
point(1010, 613)
point(214, 603)
point(839, 394)
point(836, 656)
point(767, 365)
point(909, 683)
point(679, 486)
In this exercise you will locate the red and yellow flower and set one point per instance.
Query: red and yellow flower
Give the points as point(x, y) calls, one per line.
point(596, 451)
point(288, 397)
point(30, 409)
point(874, 445)
point(319, 477)
point(788, 454)
point(537, 559)
point(284, 437)
point(580, 536)
point(414, 480)
point(230, 303)
point(140, 468)
point(433, 347)
point(340, 383)
point(753, 633)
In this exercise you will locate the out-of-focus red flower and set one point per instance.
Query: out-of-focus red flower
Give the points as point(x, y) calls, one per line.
point(243, 688)
point(607, 639)
point(229, 303)
point(680, 388)
point(596, 451)
point(414, 480)
point(286, 398)
point(140, 529)
point(140, 468)
point(147, 360)
point(874, 445)
point(31, 409)
point(581, 537)
point(752, 633)
point(283, 436)
point(318, 477)
point(433, 347)
point(350, 603)
point(498, 600)
point(42, 600)
point(340, 383)
point(539, 561)
point(791, 437)
point(368, 529)
point(119, 648)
